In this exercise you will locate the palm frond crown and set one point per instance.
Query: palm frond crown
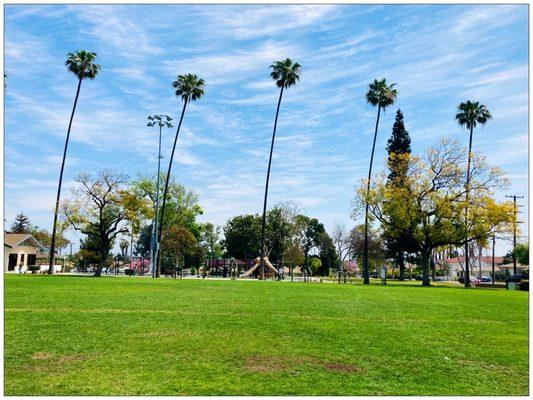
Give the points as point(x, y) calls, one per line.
point(189, 87)
point(285, 73)
point(81, 63)
point(381, 94)
point(471, 113)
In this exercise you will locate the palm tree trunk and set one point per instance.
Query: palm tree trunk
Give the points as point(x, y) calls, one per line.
point(366, 279)
point(160, 232)
point(53, 244)
point(467, 195)
point(263, 221)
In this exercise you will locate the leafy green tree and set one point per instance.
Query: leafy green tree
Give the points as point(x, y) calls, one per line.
point(143, 245)
point(242, 236)
point(182, 207)
point(327, 253)
point(82, 65)
point(309, 231)
point(376, 247)
point(180, 248)
point(469, 114)
point(189, 88)
point(21, 224)
point(382, 95)
point(315, 265)
point(522, 253)
point(44, 237)
point(97, 210)
point(210, 240)
point(89, 252)
point(278, 234)
point(286, 73)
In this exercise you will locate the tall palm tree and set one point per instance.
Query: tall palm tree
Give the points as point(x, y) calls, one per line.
point(286, 74)
point(189, 88)
point(469, 115)
point(82, 65)
point(382, 95)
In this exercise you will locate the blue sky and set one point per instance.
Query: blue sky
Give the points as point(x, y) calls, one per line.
point(439, 55)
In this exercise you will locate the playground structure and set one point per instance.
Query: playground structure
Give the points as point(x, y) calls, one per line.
point(225, 267)
point(232, 267)
point(270, 271)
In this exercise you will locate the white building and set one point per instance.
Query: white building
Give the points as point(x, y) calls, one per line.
point(455, 266)
point(20, 251)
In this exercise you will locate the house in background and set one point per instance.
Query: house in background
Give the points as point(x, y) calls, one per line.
point(455, 266)
point(20, 249)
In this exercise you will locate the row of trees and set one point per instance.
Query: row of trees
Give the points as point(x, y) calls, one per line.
point(431, 201)
point(290, 238)
point(108, 206)
point(188, 88)
point(425, 202)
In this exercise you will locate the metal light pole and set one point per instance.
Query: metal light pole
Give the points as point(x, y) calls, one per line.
point(157, 120)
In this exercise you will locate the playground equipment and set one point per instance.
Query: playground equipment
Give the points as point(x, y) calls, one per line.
point(269, 268)
point(225, 267)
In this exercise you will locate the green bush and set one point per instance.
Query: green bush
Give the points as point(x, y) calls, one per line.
point(33, 268)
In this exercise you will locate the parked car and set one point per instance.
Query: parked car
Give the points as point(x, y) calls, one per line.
point(440, 278)
point(517, 278)
point(419, 278)
point(473, 279)
point(486, 279)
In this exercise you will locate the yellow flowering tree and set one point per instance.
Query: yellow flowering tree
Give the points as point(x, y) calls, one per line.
point(428, 206)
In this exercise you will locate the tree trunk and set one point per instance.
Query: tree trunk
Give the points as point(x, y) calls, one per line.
point(366, 278)
point(425, 254)
point(160, 233)
point(467, 191)
point(400, 259)
point(53, 242)
point(263, 220)
point(104, 252)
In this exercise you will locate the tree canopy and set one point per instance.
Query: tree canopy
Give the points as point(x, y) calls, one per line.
point(429, 207)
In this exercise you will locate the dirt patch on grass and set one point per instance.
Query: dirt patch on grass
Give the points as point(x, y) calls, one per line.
point(43, 361)
point(42, 355)
point(275, 363)
point(347, 368)
point(278, 363)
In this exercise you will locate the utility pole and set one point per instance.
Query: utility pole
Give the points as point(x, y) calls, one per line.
point(493, 266)
point(514, 197)
point(157, 120)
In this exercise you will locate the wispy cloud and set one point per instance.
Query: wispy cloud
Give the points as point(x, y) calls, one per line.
point(325, 127)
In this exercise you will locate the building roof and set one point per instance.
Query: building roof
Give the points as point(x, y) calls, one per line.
point(456, 260)
point(15, 239)
point(511, 266)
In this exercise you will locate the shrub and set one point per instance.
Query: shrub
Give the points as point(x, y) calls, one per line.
point(33, 268)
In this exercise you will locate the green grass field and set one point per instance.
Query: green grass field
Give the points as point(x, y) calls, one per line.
point(135, 336)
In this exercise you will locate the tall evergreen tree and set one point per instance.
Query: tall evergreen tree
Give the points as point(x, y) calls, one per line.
point(399, 149)
point(398, 143)
point(21, 224)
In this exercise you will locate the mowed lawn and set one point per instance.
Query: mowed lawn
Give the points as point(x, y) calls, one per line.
point(138, 336)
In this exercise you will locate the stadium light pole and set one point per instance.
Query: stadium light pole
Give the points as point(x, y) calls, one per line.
point(161, 121)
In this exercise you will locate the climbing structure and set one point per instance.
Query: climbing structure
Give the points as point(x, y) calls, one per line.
point(269, 268)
